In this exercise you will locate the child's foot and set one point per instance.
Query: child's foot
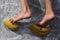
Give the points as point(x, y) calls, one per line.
point(48, 17)
point(22, 16)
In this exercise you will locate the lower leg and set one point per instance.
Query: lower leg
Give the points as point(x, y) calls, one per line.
point(22, 12)
point(28, 13)
point(49, 13)
point(25, 12)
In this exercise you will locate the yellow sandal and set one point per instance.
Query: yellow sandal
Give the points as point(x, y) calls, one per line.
point(12, 26)
point(38, 30)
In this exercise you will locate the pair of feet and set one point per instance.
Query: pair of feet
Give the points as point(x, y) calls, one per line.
point(48, 17)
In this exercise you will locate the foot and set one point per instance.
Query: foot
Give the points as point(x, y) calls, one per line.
point(48, 17)
point(26, 15)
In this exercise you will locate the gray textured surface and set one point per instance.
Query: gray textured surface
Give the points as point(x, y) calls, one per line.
point(9, 8)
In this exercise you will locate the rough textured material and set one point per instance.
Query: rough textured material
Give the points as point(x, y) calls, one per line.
point(9, 8)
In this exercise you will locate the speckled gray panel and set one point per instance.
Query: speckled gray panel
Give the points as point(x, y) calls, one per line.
point(9, 8)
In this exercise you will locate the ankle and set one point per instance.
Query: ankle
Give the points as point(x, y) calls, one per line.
point(24, 10)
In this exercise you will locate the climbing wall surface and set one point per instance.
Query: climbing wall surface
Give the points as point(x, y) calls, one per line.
point(10, 8)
